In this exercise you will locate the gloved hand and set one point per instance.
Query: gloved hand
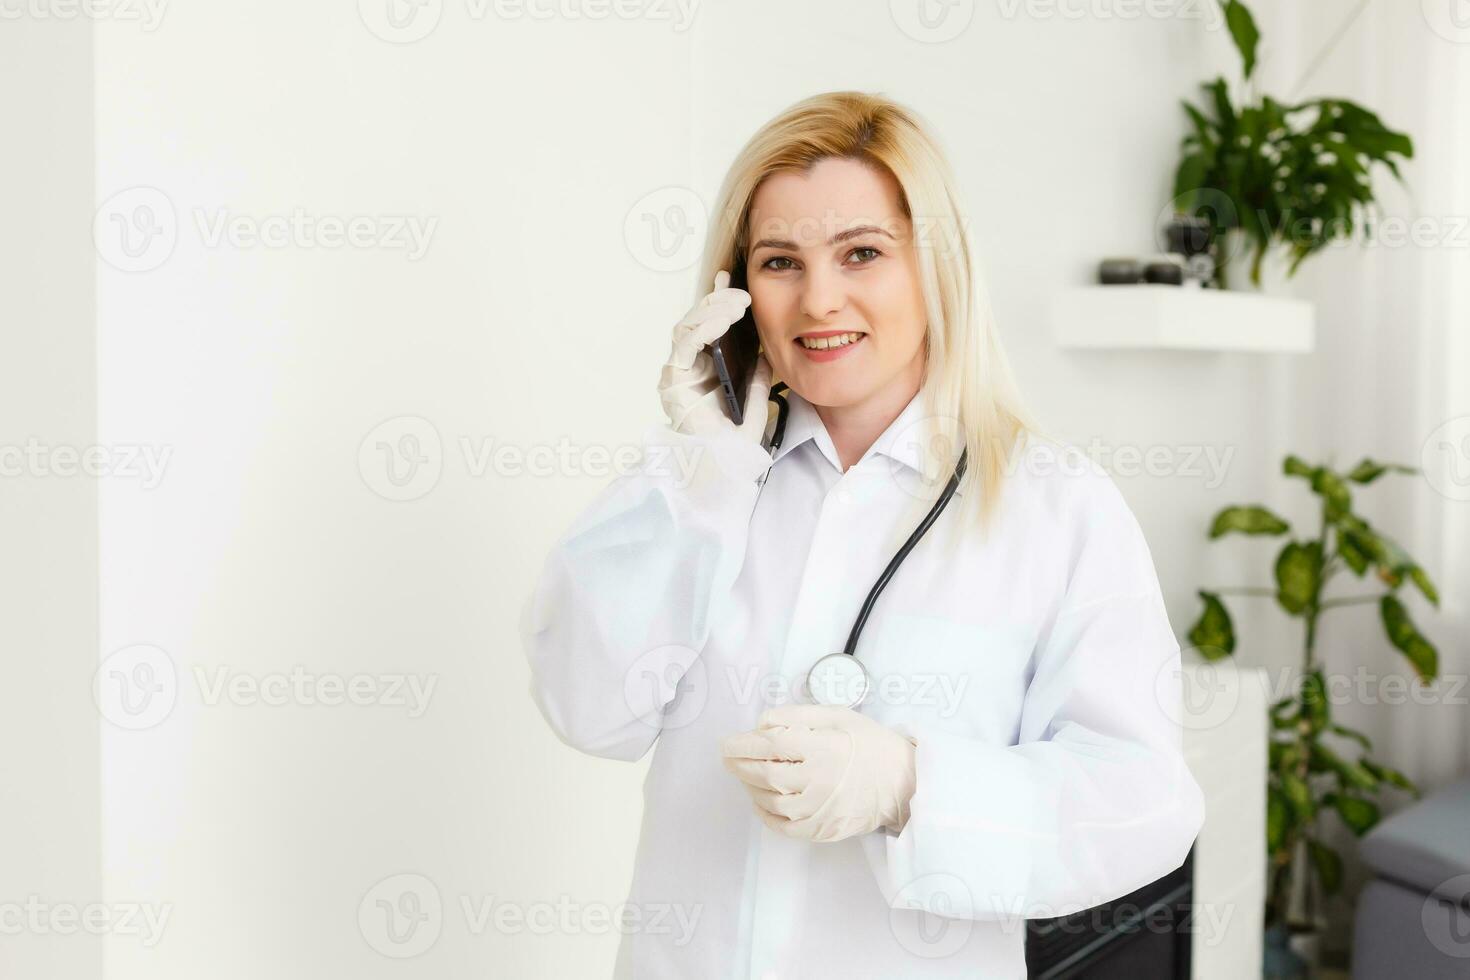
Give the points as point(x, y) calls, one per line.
point(824, 773)
point(689, 386)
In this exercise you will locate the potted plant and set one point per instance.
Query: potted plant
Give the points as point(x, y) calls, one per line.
point(1268, 173)
point(1312, 771)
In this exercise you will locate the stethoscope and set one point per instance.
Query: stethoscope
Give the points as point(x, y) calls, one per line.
point(840, 679)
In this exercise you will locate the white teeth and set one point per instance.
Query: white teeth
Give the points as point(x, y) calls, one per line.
point(823, 343)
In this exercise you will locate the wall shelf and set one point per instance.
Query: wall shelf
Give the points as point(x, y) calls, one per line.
point(1158, 317)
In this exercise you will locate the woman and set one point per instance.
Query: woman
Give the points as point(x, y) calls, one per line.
point(1014, 755)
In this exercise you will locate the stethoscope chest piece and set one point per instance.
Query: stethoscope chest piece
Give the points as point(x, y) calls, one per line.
point(839, 680)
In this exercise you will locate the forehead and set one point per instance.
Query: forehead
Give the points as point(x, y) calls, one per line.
point(835, 195)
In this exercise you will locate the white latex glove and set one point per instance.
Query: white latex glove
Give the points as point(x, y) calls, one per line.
point(689, 385)
point(824, 773)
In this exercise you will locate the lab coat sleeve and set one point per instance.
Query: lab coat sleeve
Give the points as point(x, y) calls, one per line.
point(623, 603)
point(1094, 800)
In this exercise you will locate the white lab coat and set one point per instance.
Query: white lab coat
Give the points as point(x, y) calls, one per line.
point(1037, 672)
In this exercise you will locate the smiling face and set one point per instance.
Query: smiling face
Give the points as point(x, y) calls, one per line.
point(832, 255)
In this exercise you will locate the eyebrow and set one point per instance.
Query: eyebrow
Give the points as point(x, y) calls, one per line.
point(841, 236)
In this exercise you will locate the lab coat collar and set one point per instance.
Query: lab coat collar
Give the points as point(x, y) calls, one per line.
point(899, 442)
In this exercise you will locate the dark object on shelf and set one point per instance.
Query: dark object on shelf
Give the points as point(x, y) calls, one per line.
point(1166, 268)
point(1188, 234)
point(1113, 272)
point(1170, 272)
point(1201, 268)
point(1144, 934)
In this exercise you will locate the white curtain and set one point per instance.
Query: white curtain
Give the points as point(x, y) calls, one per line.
point(1390, 377)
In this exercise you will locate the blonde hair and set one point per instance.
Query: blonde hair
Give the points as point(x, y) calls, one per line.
point(968, 383)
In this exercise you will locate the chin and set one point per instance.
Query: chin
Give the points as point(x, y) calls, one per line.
point(832, 392)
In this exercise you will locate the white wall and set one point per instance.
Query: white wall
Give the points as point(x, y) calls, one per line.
point(259, 372)
point(50, 858)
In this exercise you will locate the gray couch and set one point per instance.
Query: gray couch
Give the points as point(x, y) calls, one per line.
point(1413, 919)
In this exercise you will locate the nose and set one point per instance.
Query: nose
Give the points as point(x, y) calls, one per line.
point(823, 292)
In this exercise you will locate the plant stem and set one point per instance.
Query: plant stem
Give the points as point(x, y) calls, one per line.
point(1332, 603)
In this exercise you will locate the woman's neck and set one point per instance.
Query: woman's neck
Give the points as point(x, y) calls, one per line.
point(854, 428)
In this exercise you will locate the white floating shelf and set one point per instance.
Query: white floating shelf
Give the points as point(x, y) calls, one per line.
point(1152, 316)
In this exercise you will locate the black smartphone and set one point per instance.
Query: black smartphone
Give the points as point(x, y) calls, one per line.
point(736, 352)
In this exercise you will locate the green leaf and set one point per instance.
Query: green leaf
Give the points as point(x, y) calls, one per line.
point(1298, 794)
point(1328, 864)
point(1421, 579)
point(1391, 776)
point(1367, 471)
point(1405, 636)
point(1352, 552)
point(1243, 31)
point(1278, 817)
point(1352, 774)
point(1247, 520)
point(1294, 466)
point(1356, 736)
point(1329, 486)
point(1360, 815)
point(1298, 571)
point(1214, 634)
point(1314, 701)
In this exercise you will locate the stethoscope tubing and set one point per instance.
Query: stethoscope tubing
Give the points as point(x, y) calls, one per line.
point(782, 407)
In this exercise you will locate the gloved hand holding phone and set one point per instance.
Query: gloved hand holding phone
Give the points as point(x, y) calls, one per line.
point(824, 773)
point(689, 386)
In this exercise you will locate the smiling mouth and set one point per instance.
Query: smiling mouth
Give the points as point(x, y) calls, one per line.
point(830, 341)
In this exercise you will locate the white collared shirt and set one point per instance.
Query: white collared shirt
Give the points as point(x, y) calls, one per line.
point(1036, 671)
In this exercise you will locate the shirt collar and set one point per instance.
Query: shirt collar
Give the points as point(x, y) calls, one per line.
point(898, 442)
